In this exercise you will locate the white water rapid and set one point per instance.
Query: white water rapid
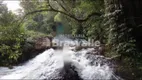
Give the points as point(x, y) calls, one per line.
point(62, 65)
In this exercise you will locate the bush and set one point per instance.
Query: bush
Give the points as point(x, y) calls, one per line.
point(11, 37)
point(11, 40)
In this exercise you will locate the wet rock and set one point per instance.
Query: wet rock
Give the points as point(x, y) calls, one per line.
point(78, 48)
point(99, 50)
point(43, 43)
point(33, 47)
point(69, 72)
point(95, 59)
point(10, 67)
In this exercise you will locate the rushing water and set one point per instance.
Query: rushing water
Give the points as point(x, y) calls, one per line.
point(63, 65)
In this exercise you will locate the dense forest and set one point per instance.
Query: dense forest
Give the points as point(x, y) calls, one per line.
point(115, 23)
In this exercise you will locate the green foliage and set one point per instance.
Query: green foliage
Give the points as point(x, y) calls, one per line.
point(121, 39)
point(11, 37)
point(33, 34)
point(77, 8)
point(110, 28)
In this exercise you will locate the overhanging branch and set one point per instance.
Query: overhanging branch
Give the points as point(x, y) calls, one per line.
point(52, 10)
point(62, 12)
point(71, 16)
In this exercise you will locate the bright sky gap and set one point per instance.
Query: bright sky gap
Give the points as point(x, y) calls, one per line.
point(12, 5)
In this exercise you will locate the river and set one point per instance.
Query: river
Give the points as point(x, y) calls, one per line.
point(63, 64)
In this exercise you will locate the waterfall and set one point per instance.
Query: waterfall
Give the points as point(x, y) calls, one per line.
point(63, 65)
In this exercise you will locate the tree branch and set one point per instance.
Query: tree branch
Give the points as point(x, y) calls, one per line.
point(90, 15)
point(62, 12)
point(61, 5)
point(71, 16)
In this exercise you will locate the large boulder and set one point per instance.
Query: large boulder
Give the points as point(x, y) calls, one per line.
point(43, 43)
point(33, 47)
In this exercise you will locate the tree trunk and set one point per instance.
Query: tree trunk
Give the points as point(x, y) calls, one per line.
point(133, 16)
point(116, 22)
